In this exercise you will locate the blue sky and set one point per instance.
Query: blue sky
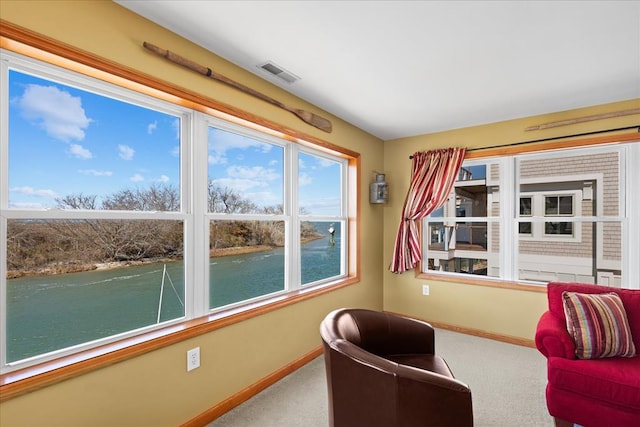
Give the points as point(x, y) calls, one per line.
point(63, 141)
point(255, 169)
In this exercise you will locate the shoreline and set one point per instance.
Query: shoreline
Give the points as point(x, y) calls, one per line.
point(78, 268)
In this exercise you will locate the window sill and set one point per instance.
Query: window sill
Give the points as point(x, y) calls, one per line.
point(492, 283)
point(16, 383)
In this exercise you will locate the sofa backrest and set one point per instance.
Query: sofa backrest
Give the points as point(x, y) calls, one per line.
point(630, 299)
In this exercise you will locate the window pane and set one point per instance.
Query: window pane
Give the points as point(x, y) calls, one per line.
point(475, 266)
point(474, 193)
point(247, 260)
point(439, 236)
point(245, 175)
point(321, 249)
point(471, 200)
point(525, 206)
point(319, 184)
point(471, 248)
point(73, 149)
point(438, 213)
point(471, 235)
point(565, 205)
point(472, 172)
point(525, 210)
point(524, 228)
point(596, 258)
point(76, 281)
point(562, 228)
point(551, 205)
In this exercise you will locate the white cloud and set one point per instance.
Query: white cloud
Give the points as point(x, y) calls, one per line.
point(136, 178)
point(163, 179)
point(263, 198)
point(175, 152)
point(60, 114)
point(215, 159)
point(151, 127)
point(325, 163)
point(239, 184)
point(256, 173)
point(304, 179)
point(26, 205)
point(249, 181)
point(80, 152)
point(222, 141)
point(30, 191)
point(320, 206)
point(94, 172)
point(125, 152)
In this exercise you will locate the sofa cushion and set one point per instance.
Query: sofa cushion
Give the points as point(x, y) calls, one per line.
point(598, 325)
point(630, 299)
point(615, 381)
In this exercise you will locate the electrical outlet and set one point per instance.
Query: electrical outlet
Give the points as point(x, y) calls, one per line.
point(193, 359)
point(425, 289)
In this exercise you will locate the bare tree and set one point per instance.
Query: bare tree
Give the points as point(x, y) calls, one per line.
point(164, 198)
point(36, 245)
point(77, 201)
point(227, 200)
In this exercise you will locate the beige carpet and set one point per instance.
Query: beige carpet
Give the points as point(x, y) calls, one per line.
point(507, 384)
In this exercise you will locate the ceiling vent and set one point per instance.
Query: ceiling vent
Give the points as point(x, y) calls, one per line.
point(278, 71)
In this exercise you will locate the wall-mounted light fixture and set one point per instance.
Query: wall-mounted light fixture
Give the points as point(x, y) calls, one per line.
point(379, 190)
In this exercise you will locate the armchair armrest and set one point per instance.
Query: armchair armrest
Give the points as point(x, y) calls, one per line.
point(552, 338)
point(425, 395)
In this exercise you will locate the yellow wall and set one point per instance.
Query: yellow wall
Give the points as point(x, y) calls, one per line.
point(505, 312)
point(155, 389)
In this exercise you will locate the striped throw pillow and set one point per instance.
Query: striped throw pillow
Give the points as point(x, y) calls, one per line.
point(598, 325)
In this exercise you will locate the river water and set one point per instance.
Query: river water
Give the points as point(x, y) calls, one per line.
point(48, 313)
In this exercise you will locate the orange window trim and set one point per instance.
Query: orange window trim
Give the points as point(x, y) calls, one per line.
point(20, 40)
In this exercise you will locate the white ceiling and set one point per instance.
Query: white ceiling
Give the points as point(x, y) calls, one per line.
point(402, 68)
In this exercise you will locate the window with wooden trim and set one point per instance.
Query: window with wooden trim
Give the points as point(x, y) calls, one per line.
point(557, 215)
point(121, 214)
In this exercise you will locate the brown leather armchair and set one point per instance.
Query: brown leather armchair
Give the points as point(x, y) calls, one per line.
point(382, 371)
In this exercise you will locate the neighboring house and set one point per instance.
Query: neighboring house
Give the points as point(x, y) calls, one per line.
point(572, 201)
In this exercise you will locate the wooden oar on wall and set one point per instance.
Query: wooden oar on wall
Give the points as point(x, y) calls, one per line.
point(584, 119)
point(306, 116)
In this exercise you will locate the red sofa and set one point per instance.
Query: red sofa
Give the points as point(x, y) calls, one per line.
point(590, 392)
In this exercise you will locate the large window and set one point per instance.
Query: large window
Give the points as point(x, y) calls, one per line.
point(554, 215)
point(121, 214)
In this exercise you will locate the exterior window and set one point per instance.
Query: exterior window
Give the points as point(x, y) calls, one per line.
point(558, 206)
point(121, 214)
point(525, 210)
point(569, 219)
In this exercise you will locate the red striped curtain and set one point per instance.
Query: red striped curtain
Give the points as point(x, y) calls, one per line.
point(433, 174)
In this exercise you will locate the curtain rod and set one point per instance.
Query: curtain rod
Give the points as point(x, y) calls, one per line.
point(552, 138)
